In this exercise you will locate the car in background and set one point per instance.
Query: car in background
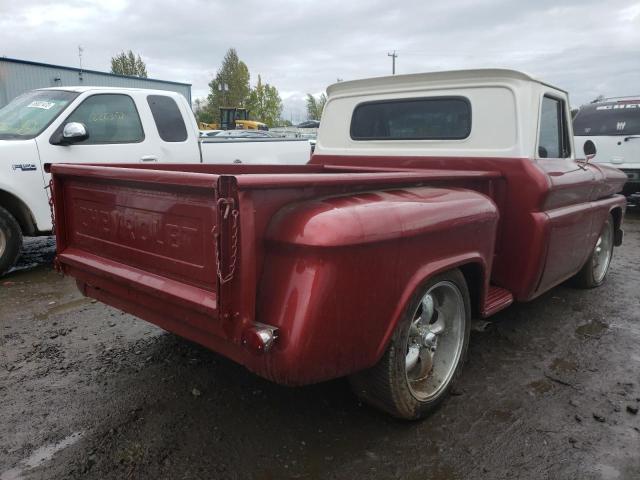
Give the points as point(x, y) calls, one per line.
point(309, 124)
point(613, 127)
point(209, 133)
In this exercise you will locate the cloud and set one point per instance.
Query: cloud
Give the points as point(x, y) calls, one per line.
point(586, 47)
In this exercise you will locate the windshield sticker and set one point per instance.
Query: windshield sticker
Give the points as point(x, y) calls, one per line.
point(619, 106)
point(41, 104)
point(620, 126)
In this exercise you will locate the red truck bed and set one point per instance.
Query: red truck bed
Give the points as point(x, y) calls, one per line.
point(184, 246)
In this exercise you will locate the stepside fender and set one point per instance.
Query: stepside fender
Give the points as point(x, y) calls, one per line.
point(339, 271)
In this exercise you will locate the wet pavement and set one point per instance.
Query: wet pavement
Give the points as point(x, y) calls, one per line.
point(551, 390)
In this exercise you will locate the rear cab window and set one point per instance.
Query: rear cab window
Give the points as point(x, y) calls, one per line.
point(168, 118)
point(430, 118)
point(109, 118)
point(553, 137)
point(609, 118)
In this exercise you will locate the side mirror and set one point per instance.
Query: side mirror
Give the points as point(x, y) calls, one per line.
point(589, 149)
point(74, 132)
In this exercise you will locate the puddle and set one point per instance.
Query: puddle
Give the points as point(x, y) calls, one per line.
point(20, 277)
point(540, 386)
point(627, 329)
point(436, 472)
point(607, 472)
point(501, 415)
point(62, 308)
point(39, 456)
point(563, 365)
point(595, 328)
point(35, 251)
point(481, 326)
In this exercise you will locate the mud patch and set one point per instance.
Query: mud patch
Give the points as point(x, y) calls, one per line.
point(562, 365)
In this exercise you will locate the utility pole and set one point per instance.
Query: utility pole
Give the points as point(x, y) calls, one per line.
point(224, 90)
point(80, 50)
point(393, 55)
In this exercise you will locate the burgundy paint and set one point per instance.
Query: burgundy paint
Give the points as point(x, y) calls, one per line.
point(329, 253)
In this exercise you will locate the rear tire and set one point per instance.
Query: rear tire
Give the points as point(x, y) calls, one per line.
point(426, 353)
point(594, 271)
point(10, 241)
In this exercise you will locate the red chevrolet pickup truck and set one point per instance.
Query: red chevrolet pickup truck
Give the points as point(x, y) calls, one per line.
point(431, 199)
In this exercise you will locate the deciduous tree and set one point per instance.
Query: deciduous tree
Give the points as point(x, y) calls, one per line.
point(264, 103)
point(315, 106)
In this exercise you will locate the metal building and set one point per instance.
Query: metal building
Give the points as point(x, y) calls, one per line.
point(19, 76)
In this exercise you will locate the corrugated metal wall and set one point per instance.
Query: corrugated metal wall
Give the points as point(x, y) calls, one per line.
point(18, 76)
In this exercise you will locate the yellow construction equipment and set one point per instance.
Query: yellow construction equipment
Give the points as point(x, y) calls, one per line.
point(232, 118)
point(243, 122)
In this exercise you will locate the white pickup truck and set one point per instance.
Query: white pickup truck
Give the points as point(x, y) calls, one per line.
point(93, 125)
point(611, 129)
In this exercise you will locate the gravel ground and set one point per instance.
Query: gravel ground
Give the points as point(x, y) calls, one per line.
point(551, 390)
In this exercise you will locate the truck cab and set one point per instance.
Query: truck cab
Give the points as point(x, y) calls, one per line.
point(495, 120)
point(117, 128)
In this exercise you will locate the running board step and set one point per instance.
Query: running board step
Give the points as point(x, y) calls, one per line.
point(497, 299)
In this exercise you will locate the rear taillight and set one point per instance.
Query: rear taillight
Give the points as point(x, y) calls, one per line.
point(259, 337)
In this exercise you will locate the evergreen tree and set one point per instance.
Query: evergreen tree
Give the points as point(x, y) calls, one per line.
point(128, 64)
point(230, 87)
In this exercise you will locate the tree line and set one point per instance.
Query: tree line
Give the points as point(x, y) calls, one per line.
point(229, 88)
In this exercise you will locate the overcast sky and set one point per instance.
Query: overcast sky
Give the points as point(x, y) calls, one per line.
point(586, 47)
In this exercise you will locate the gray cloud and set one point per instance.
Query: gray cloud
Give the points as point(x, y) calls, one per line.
point(586, 47)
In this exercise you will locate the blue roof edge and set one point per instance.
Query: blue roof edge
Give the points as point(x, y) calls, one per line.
point(74, 69)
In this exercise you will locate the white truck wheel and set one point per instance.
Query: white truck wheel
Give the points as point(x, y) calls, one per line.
point(10, 241)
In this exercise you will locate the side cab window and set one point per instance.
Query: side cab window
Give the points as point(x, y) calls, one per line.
point(168, 118)
point(109, 118)
point(553, 136)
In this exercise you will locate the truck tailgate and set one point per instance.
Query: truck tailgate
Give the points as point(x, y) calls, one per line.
point(143, 241)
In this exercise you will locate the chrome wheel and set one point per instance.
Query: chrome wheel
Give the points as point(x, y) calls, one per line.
point(435, 341)
point(602, 253)
point(3, 242)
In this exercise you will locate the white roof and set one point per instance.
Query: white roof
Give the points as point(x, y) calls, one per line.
point(466, 76)
point(82, 89)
